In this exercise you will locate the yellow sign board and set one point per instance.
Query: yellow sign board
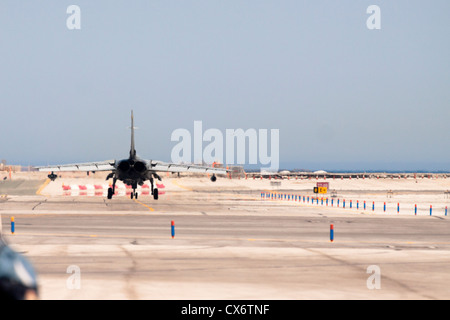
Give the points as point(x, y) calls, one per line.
point(322, 189)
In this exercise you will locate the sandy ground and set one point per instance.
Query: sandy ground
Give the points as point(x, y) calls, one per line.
point(232, 242)
point(402, 193)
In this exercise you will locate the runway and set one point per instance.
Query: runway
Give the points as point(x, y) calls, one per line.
point(228, 244)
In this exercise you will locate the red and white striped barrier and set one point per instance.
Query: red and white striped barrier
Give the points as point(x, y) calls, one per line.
point(102, 190)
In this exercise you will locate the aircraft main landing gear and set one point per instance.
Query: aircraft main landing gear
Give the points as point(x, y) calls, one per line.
point(112, 189)
point(110, 193)
point(153, 189)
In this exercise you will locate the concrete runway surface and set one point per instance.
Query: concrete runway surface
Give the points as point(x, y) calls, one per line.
point(228, 244)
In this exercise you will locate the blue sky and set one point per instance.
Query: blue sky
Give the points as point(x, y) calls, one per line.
point(342, 96)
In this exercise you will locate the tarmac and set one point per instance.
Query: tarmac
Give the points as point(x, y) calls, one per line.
point(231, 241)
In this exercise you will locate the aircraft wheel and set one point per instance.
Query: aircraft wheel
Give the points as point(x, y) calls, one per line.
point(110, 193)
point(155, 194)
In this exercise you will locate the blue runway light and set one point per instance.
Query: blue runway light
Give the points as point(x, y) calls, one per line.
point(173, 229)
point(12, 225)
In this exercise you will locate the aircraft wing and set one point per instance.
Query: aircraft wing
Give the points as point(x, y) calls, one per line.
point(87, 166)
point(173, 167)
point(153, 166)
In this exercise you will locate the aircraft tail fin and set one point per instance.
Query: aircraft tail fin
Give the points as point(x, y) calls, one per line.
point(132, 149)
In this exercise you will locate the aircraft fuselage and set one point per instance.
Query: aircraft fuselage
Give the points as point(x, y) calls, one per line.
point(132, 171)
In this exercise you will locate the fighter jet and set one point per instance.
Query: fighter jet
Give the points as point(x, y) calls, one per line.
point(133, 171)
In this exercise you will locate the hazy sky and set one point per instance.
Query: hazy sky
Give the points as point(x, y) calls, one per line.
point(341, 95)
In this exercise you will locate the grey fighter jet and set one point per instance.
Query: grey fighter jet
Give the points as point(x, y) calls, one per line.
point(133, 171)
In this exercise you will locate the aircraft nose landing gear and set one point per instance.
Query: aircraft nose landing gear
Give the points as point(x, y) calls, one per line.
point(134, 194)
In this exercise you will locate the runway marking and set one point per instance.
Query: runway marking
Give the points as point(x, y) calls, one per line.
point(398, 242)
point(38, 192)
point(143, 204)
point(179, 185)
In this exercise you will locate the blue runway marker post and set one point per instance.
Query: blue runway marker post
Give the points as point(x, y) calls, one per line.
point(431, 210)
point(357, 204)
point(12, 225)
point(373, 206)
point(398, 207)
point(173, 229)
point(331, 233)
point(364, 204)
point(415, 209)
point(384, 207)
